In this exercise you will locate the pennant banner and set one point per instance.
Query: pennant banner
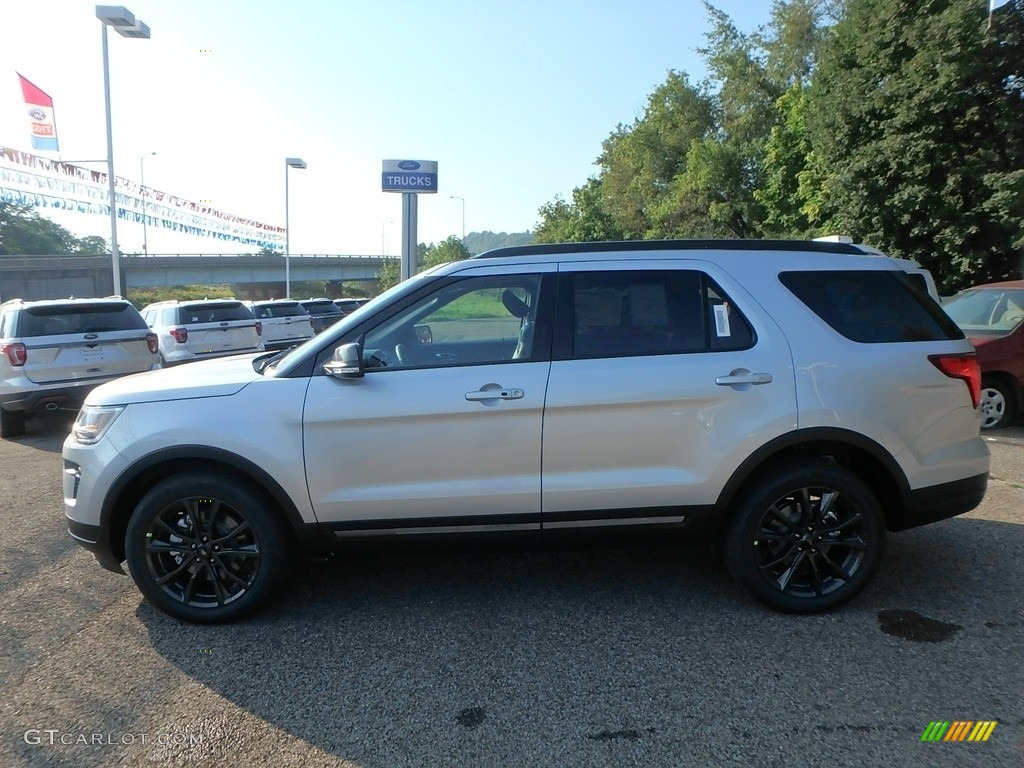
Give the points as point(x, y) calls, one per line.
point(27, 179)
point(40, 114)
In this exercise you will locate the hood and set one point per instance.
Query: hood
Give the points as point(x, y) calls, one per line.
point(206, 378)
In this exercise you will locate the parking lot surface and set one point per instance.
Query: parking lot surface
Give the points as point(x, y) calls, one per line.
point(583, 658)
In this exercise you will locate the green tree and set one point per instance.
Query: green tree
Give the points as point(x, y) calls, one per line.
point(23, 231)
point(583, 220)
point(917, 118)
point(389, 274)
point(451, 249)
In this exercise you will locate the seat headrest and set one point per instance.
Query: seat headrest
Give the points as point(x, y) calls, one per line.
point(516, 306)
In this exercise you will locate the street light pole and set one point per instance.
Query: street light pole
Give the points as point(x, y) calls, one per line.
point(289, 162)
point(125, 24)
point(463, 201)
point(142, 193)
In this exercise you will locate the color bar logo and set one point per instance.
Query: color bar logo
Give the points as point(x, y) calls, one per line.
point(959, 730)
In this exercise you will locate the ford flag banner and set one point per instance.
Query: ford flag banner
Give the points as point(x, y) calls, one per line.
point(40, 113)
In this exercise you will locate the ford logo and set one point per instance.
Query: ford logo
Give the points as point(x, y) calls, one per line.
point(409, 165)
point(40, 114)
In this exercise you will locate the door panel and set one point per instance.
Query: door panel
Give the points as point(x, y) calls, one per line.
point(443, 432)
point(408, 444)
point(666, 377)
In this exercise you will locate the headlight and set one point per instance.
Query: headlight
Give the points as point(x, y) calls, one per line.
point(93, 421)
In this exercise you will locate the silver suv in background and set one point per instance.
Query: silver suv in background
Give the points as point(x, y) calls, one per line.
point(285, 322)
point(194, 330)
point(53, 352)
point(789, 401)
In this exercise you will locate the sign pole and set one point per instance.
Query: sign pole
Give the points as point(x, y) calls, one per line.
point(410, 177)
point(409, 255)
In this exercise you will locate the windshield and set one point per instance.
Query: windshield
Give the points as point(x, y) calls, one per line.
point(995, 311)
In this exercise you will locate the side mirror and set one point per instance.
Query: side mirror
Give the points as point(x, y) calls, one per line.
point(423, 333)
point(347, 362)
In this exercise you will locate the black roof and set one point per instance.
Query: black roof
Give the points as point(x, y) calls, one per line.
point(816, 246)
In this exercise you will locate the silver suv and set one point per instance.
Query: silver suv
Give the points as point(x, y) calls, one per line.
point(790, 402)
point(53, 352)
point(194, 330)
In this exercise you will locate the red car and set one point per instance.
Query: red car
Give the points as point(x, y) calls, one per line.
point(992, 317)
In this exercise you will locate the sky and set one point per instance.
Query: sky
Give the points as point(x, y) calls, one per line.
point(511, 99)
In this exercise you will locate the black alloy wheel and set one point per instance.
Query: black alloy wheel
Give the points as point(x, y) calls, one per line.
point(206, 549)
point(807, 538)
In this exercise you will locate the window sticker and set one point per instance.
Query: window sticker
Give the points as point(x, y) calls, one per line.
point(722, 320)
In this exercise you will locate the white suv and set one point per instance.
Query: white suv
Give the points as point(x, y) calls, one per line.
point(285, 322)
point(788, 401)
point(53, 352)
point(194, 330)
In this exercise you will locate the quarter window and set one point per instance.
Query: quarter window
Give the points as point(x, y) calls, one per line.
point(872, 307)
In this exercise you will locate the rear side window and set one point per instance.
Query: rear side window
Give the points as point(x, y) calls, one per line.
point(646, 312)
point(213, 313)
point(78, 319)
point(872, 307)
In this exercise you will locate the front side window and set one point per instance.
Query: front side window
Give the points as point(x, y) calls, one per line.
point(473, 321)
point(647, 312)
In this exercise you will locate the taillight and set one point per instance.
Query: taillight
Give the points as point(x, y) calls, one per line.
point(153, 343)
point(180, 335)
point(963, 366)
point(16, 352)
point(259, 328)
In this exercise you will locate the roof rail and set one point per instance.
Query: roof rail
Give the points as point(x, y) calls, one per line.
point(817, 246)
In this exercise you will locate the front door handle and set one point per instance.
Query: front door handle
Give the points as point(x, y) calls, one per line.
point(743, 376)
point(495, 392)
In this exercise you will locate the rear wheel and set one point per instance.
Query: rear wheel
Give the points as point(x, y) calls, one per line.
point(206, 548)
point(806, 538)
point(997, 405)
point(12, 423)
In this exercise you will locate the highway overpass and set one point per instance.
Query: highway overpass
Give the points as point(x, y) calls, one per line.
point(48, 277)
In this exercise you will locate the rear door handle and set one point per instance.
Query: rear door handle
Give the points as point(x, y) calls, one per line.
point(496, 393)
point(743, 377)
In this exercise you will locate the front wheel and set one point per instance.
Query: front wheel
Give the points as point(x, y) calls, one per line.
point(206, 548)
point(997, 405)
point(806, 538)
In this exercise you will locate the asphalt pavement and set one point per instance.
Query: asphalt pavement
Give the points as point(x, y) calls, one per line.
point(586, 658)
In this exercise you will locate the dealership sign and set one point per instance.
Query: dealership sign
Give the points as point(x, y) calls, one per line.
point(409, 176)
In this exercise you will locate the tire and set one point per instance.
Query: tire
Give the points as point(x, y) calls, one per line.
point(806, 538)
point(997, 405)
point(12, 423)
point(206, 548)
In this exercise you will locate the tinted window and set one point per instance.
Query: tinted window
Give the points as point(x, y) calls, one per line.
point(76, 318)
point(213, 313)
point(628, 313)
point(263, 311)
point(872, 306)
point(321, 307)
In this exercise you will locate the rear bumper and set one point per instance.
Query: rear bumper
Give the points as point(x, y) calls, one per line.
point(52, 398)
point(939, 502)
